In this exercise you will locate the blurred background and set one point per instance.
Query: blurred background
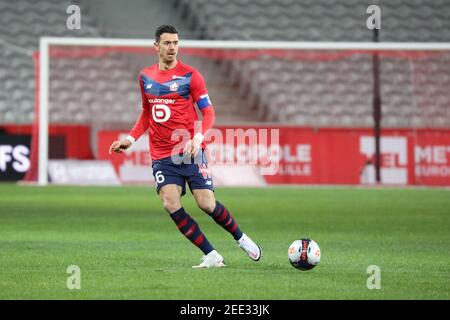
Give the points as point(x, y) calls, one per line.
point(321, 101)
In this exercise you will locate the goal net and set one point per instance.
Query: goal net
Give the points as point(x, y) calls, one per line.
point(88, 95)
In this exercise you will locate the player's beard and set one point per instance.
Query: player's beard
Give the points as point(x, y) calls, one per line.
point(168, 59)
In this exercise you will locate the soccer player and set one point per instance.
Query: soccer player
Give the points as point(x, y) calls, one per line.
point(169, 90)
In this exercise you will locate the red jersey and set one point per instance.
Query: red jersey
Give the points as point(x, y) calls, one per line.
point(168, 98)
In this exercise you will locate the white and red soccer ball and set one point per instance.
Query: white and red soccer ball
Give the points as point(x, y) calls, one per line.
point(304, 254)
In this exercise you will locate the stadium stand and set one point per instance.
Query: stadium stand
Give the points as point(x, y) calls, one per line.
point(308, 20)
point(320, 93)
point(23, 22)
point(75, 83)
point(335, 93)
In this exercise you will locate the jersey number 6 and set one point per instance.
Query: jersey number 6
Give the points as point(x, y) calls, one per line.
point(159, 177)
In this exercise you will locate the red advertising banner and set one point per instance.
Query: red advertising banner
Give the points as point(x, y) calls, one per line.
point(323, 156)
point(132, 166)
point(432, 158)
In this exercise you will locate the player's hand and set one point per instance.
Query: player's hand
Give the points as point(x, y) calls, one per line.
point(192, 147)
point(119, 146)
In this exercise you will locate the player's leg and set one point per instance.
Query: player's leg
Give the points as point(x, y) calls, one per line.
point(206, 201)
point(171, 186)
point(200, 182)
point(170, 195)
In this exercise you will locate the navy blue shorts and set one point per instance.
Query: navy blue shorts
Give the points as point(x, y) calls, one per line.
point(194, 171)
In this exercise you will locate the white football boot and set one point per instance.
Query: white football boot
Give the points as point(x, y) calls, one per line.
point(252, 249)
point(211, 260)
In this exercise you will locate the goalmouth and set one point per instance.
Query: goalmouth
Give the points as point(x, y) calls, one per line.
point(266, 46)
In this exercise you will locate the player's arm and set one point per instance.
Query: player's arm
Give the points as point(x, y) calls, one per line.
point(201, 98)
point(139, 128)
point(209, 116)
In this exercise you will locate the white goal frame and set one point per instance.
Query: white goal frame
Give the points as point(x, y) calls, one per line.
point(46, 42)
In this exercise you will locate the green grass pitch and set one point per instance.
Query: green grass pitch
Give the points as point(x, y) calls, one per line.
point(128, 248)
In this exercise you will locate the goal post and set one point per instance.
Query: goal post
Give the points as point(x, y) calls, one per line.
point(47, 42)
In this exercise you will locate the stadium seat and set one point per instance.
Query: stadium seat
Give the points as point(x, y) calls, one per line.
point(315, 93)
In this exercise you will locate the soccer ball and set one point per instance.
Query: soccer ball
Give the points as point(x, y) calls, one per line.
point(304, 254)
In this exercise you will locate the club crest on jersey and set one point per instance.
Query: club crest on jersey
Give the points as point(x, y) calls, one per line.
point(174, 86)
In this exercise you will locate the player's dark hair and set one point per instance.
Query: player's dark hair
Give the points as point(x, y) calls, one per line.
point(165, 28)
